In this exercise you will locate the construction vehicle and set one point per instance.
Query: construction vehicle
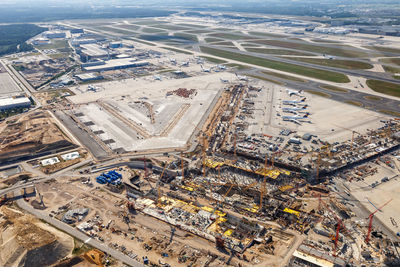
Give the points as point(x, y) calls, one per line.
point(3, 200)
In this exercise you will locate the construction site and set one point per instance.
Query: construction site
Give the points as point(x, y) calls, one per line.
point(227, 201)
point(31, 135)
point(163, 157)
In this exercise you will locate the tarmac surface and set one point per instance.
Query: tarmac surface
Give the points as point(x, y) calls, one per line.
point(353, 95)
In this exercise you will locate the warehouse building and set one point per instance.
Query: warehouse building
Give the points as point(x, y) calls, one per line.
point(55, 35)
point(115, 64)
point(94, 51)
point(78, 42)
point(10, 103)
point(86, 77)
point(115, 45)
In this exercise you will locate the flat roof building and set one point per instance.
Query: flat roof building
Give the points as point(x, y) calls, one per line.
point(115, 64)
point(93, 50)
point(85, 77)
point(18, 102)
point(54, 35)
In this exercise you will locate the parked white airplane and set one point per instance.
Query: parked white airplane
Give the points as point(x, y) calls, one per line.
point(205, 70)
point(242, 78)
point(293, 102)
point(185, 64)
point(295, 119)
point(294, 109)
point(293, 92)
point(221, 67)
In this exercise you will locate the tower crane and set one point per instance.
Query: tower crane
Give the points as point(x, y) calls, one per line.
point(370, 217)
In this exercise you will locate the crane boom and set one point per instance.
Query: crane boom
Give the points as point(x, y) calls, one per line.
point(370, 217)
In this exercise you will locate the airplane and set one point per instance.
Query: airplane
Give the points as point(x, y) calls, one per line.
point(205, 70)
point(328, 56)
point(221, 67)
point(224, 81)
point(242, 78)
point(293, 102)
point(199, 60)
point(295, 119)
point(157, 77)
point(185, 64)
point(92, 88)
point(293, 92)
point(294, 109)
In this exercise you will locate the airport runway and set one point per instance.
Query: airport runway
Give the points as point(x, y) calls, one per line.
point(383, 76)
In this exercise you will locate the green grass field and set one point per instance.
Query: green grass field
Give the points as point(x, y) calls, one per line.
point(354, 103)
point(373, 97)
point(391, 69)
point(230, 36)
point(316, 48)
point(178, 50)
point(267, 34)
point(284, 76)
point(129, 27)
point(214, 60)
point(141, 41)
point(54, 44)
point(170, 27)
point(249, 45)
point(114, 30)
point(192, 25)
point(153, 30)
point(336, 63)
point(147, 22)
point(277, 51)
point(389, 112)
point(324, 41)
point(384, 49)
point(395, 61)
point(292, 68)
point(226, 43)
point(267, 79)
point(187, 36)
point(198, 31)
point(211, 40)
point(384, 87)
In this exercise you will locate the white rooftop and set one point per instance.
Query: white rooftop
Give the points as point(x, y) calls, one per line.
point(14, 101)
